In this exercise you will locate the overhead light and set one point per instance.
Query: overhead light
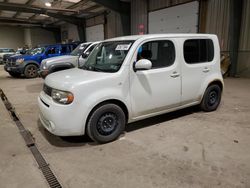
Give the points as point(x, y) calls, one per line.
point(48, 4)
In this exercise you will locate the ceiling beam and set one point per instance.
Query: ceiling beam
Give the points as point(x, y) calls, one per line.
point(15, 21)
point(29, 2)
point(39, 10)
point(115, 5)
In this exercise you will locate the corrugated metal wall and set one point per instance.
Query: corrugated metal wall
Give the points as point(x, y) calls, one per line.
point(159, 4)
point(113, 27)
point(217, 21)
point(244, 46)
point(245, 28)
point(139, 16)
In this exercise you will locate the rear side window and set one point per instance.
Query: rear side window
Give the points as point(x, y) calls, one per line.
point(198, 51)
point(160, 53)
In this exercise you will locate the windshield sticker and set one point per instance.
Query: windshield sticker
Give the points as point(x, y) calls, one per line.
point(123, 46)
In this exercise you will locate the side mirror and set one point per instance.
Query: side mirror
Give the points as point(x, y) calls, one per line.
point(143, 64)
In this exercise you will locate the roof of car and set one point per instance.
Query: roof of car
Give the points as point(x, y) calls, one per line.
point(178, 35)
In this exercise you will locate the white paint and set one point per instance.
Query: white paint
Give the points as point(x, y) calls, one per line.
point(177, 19)
point(95, 33)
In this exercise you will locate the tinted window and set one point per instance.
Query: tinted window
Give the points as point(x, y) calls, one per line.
point(198, 50)
point(160, 53)
point(64, 49)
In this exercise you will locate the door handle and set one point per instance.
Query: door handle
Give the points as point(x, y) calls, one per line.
point(175, 74)
point(206, 69)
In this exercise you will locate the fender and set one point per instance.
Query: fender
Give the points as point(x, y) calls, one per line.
point(25, 63)
point(210, 79)
point(60, 66)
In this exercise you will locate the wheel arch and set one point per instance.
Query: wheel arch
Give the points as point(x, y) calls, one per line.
point(31, 63)
point(109, 101)
point(217, 82)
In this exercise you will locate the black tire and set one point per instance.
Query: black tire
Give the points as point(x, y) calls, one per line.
point(106, 123)
point(211, 99)
point(15, 75)
point(31, 71)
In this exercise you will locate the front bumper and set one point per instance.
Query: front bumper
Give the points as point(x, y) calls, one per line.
point(60, 120)
point(43, 73)
point(13, 68)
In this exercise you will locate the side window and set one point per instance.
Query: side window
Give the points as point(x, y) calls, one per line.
point(198, 51)
point(90, 49)
point(160, 53)
point(52, 50)
point(64, 49)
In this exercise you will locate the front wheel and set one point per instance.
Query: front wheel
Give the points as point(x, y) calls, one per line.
point(106, 123)
point(31, 71)
point(211, 98)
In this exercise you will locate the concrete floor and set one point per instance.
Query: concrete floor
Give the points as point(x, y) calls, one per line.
point(188, 148)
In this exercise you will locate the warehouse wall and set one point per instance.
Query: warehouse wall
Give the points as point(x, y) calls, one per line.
point(113, 25)
point(244, 46)
point(41, 36)
point(11, 37)
point(214, 18)
point(69, 32)
point(217, 21)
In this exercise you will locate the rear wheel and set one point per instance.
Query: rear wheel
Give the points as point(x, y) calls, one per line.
point(211, 98)
point(14, 74)
point(31, 71)
point(106, 123)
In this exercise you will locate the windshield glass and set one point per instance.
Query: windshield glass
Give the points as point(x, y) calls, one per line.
point(108, 56)
point(35, 51)
point(79, 49)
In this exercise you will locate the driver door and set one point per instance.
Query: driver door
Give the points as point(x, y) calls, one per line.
point(159, 88)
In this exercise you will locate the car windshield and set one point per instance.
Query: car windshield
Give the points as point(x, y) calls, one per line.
point(79, 49)
point(108, 56)
point(35, 51)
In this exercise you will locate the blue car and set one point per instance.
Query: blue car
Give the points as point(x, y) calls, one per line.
point(29, 64)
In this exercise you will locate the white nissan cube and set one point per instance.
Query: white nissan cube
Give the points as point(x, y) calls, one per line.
point(130, 78)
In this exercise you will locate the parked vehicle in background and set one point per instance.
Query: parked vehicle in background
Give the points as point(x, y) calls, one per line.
point(132, 78)
point(76, 58)
point(4, 51)
point(28, 64)
point(19, 51)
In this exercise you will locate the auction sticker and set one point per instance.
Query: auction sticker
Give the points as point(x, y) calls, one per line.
point(123, 46)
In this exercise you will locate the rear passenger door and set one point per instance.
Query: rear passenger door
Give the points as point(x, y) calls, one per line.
point(197, 64)
point(159, 88)
point(53, 51)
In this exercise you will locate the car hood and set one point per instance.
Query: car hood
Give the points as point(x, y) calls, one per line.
point(60, 58)
point(68, 79)
point(18, 56)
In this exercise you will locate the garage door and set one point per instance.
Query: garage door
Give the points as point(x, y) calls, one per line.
point(95, 33)
point(177, 19)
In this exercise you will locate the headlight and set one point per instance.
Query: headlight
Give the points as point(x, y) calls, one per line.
point(62, 97)
point(43, 65)
point(20, 60)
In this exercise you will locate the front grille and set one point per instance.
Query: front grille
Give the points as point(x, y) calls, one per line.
point(47, 89)
point(11, 62)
